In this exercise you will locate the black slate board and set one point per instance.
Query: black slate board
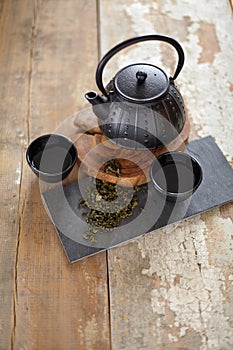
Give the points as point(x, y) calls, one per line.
point(215, 190)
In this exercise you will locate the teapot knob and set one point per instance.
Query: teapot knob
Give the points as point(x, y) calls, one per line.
point(141, 76)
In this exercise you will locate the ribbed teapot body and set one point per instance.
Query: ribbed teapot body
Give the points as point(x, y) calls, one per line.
point(144, 126)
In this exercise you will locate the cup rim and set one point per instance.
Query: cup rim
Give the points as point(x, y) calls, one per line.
point(47, 136)
point(176, 195)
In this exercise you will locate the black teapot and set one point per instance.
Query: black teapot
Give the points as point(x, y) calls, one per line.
point(140, 108)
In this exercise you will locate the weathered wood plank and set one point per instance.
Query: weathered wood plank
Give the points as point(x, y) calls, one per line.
point(10, 180)
point(173, 289)
point(231, 4)
point(15, 37)
point(58, 305)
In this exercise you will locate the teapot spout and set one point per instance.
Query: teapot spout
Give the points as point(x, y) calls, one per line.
point(99, 104)
point(94, 98)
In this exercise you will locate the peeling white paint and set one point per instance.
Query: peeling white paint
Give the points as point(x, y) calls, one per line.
point(220, 240)
point(137, 12)
point(172, 338)
point(206, 86)
point(183, 331)
point(18, 174)
point(196, 300)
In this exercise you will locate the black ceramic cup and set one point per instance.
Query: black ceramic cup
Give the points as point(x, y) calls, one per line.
point(51, 157)
point(176, 175)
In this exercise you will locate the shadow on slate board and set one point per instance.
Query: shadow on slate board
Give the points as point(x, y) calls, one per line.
point(216, 189)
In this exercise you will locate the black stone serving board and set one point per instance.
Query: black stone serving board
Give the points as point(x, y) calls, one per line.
point(216, 189)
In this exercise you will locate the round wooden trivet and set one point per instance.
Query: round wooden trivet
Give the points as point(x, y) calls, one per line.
point(94, 150)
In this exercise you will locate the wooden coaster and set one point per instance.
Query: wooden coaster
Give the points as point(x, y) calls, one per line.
point(94, 150)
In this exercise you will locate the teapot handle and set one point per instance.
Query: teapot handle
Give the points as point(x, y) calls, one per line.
point(126, 43)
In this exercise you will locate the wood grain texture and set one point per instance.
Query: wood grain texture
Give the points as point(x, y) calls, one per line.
point(15, 32)
point(172, 289)
point(95, 150)
point(46, 303)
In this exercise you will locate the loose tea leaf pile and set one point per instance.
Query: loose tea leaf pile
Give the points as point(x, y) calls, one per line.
point(107, 204)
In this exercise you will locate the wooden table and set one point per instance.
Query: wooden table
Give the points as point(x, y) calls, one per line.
point(172, 289)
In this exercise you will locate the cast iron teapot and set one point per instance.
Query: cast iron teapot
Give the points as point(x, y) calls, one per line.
point(140, 107)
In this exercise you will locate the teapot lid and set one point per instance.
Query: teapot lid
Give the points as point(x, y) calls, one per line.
point(141, 83)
